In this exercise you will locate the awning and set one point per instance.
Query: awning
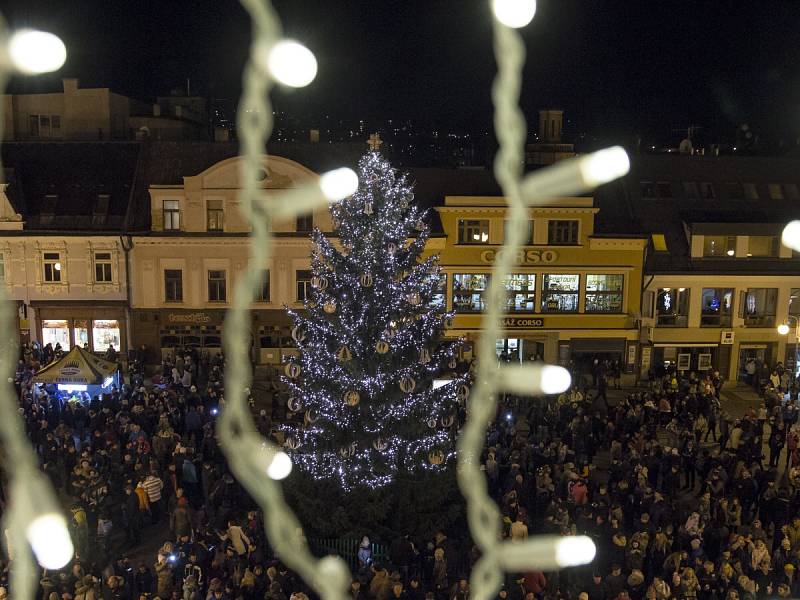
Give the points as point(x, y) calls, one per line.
point(77, 367)
point(686, 345)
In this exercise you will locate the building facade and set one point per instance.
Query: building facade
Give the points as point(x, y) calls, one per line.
point(186, 267)
point(574, 295)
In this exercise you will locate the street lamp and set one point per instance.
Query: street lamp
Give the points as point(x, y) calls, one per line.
point(784, 328)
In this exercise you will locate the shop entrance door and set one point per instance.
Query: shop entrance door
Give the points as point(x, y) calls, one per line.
point(745, 354)
point(508, 349)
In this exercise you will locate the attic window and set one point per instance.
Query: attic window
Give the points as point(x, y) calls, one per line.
point(101, 205)
point(659, 242)
point(49, 204)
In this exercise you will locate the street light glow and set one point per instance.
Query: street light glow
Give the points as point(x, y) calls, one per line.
point(783, 329)
point(34, 52)
point(292, 64)
point(514, 13)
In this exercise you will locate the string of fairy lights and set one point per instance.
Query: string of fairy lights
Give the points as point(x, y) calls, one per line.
point(33, 518)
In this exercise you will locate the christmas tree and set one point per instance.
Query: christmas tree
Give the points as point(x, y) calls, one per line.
point(370, 344)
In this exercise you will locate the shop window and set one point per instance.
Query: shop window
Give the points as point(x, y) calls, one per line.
point(775, 191)
point(672, 307)
point(759, 306)
point(172, 215)
point(52, 267)
point(214, 215)
point(560, 292)
point(212, 341)
point(173, 285)
point(527, 239)
point(469, 290)
point(521, 292)
point(750, 191)
point(735, 190)
point(719, 245)
point(604, 293)
point(794, 302)
point(763, 246)
point(80, 332)
point(305, 223)
point(102, 267)
point(105, 334)
point(473, 231)
point(263, 286)
point(55, 332)
point(216, 286)
point(303, 279)
point(170, 341)
point(439, 292)
point(562, 233)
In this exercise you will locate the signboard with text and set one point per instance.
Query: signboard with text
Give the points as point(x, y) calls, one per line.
point(522, 322)
point(530, 257)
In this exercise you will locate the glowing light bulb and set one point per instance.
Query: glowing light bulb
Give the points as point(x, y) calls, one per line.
point(280, 467)
point(49, 538)
point(57, 266)
point(514, 13)
point(575, 550)
point(731, 252)
point(535, 378)
point(292, 64)
point(547, 553)
point(338, 184)
point(604, 165)
point(783, 329)
point(791, 236)
point(555, 379)
point(33, 52)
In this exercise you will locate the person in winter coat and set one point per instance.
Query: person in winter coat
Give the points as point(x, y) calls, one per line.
point(180, 521)
point(380, 587)
point(237, 538)
point(439, 576)
point(163, 577)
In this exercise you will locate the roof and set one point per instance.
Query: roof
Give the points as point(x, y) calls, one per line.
point(77, 367)
point(624, 209)
point(75, 186)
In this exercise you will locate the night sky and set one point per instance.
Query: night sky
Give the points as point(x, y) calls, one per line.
point(617, 68)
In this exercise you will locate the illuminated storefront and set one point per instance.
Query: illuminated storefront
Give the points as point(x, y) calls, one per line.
point(91, 327)
point(573, 295)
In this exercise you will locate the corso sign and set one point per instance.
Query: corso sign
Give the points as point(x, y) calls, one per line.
point(519, 323)
point(522, 256)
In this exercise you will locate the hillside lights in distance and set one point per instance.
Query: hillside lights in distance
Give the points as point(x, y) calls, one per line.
point(338, 184)
point(34, 52)
point(514, 13)
point(604, 166)
point(292, 64)
point(49, 538)
point(783, 329)
point(791, 236)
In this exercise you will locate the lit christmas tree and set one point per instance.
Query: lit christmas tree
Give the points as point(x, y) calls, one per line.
point(370, 343)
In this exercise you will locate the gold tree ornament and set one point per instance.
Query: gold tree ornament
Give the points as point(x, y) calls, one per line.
point(348, 451)
point(448, 322)
point(329, 306)
point(448, 421)
point(407, 384)
point(351, 398)
point(311, 416)
point(294, 405)
point(292, 370)
point(452, 364)
point(298, 335)
point(414, 299)
point(431, 423)
point(436, 457)
point(463, 392)
point(382, 347)
point(424, 356)
point(366, 280)
point(391, 248)
point(320, 282)
point(344, 355)
point(368, 210)
point(380, 444)
point(292, 442)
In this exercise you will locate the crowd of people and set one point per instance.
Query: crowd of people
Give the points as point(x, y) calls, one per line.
point(677, 495)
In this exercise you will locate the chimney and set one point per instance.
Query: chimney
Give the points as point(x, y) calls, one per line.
point(550, 123)
point(70, 85)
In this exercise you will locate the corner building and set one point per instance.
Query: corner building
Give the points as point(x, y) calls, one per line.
point(574, 294)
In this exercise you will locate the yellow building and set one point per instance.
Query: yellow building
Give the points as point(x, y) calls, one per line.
point(574, 294)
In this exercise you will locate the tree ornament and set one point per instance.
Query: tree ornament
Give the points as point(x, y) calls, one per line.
point(368, 210)
point(348, 451)
point(294, 405)
point(436, 457)
point(448, 421)
point(351, 398)
point(366, 280)
point(452, 364)
point(311, 304)
point(448, 322)
point(463, 392)
point(329, 306)
point(431, 423)
point(336, 222)
point(292, 370)
point(380, 444)
point(391, 248)
point(292, 442)
point(403, 203)
point(414, 299)
point(344, 355)
point(424, 356)
point(311, 416)
point(320, 282)
point(407, 384)
point(298, 335)
point(421, 225)
point(382, 347)
point(390, 333)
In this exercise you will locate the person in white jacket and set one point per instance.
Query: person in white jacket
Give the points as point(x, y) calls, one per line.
point(237, 538)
